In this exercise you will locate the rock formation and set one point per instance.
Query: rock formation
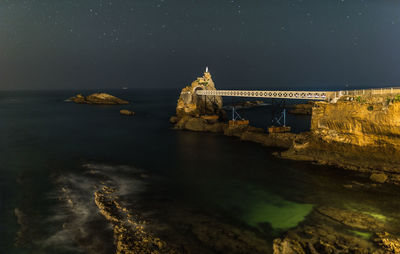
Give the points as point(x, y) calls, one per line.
point(199, 113)
point(355, 134)
point(364, 234)
point(126, 112)
point(189, 103)
point(98, 98)
point(301, 109)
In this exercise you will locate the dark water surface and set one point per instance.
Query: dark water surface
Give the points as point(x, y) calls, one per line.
point(48, 147)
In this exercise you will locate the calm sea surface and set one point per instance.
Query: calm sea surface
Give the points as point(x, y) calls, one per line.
point(48, 146)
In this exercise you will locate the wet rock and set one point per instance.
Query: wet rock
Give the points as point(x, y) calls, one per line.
point(173, 119)
point(98, 98)
point(379, 177)
point(389, 242)
point(352, 219)
point(130, 234)
point(320, 233)
point(287, 246)
point(126, 112)
point(196, 124)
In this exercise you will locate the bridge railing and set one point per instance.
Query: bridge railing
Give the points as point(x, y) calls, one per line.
point(300, 95)
point(372, 91)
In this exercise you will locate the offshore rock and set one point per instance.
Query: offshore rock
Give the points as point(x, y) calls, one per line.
point(126, 112)
point(98, 98)
point(379, 178)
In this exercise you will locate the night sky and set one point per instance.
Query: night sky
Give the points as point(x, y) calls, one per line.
point(61, 44)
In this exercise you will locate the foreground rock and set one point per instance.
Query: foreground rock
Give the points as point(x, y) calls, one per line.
point(126, 112)
point(98, 98)
point(130, 235)
point(319, 234)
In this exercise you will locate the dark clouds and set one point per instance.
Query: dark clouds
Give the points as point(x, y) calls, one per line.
point(166, 43)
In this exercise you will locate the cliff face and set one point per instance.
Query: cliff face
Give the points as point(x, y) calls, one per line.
point(360, 135)
point(372, 125)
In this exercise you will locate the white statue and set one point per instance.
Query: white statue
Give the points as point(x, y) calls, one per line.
point(207, 69)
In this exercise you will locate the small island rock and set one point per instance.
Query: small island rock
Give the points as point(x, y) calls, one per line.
point(379, 177)
point(126, 112)
point(98, 98)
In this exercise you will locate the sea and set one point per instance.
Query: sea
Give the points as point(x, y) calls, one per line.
point(185, 185)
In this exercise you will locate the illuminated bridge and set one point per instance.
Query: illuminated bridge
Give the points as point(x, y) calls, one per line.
point(298, 95)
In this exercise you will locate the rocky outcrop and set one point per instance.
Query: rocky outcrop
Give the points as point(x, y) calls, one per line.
point(130, 235)
point(301, 109)
point(199, 113)
point(126, 112)
point(258, 135)
point(363, 233)
point(98, 98)
point(362, 135)
point(191, 104)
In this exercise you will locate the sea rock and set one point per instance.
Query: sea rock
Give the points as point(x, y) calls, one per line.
point(98, 98)
point(199, 113)
point(198, 124)
point(189, 103)
point(173, 119)
point(379, 177)
point(126, 112)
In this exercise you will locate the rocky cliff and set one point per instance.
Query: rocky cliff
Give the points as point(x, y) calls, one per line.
point(189, 103)
point(355, 133)
point(199, 113)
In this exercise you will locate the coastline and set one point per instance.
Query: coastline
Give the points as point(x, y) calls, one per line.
point(300, 147)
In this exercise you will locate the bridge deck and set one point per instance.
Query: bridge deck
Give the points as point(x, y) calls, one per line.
point(299, 95)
